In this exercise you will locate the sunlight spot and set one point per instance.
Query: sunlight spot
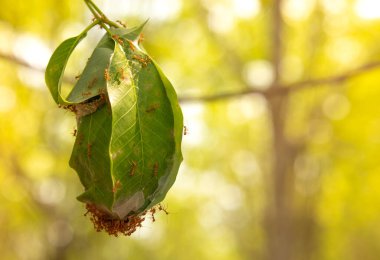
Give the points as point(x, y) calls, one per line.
point(7, 99)
point(220, 19)
point(258, 73)
point(368, 9)
point(31, 78)
point(227, 195)
point(246, 108)
point(297, 10)
point(334, 6)
point(32, 50)
point(230, 197)
point(51, 191)
point(345, 51)
point(246, 167)
point(153, 9)
point(246, 8)
point(336, 106)
point(210, 215)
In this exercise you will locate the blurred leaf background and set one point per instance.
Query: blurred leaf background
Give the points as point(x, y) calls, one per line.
point(284, 176)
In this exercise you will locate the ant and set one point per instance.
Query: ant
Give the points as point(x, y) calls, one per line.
point(133, 169)
point(141, 59)
point(141, 38)
point(75, 131)
point(121, 23)
point(131, 45)
point(117, 38)
point(122, 74)
point(152, 211)
point(185, 130)
point(107, 75)
point(116, 186)
point(152, 108)
point(155, 169)
point(160, 207)
point(92, 82)
point(89, 150)
point(86, 94)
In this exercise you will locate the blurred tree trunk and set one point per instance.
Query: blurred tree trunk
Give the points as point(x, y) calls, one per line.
point(280, 229)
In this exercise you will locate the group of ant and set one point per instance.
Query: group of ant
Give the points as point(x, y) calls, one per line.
point(128, 226)
point(117, 184)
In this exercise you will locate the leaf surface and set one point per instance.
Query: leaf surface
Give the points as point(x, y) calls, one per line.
point(56, 67)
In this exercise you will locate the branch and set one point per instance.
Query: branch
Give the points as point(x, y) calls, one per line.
point(280, 90)
point(13, 59)
point(287, 88)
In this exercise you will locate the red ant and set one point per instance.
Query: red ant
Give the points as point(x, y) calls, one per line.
point(133, 169)
point(155, 169)
point(141, 59)
point(116, 186)
point(152, 108)
point(121, 23)
point(152, 211)
point(122, 75)
point(160, 207)
point(92, 82)
point(86, 94)
point(89, 150)
point(131, 45)
point(141, 38)
point(117, 38)
point(107, 75)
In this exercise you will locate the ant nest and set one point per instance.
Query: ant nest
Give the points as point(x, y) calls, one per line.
point(114, 227)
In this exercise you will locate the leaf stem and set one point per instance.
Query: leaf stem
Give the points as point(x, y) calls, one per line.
point(100, 15)
point(89, 27)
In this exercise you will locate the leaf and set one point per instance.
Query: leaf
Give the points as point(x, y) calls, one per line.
point(135, 140)
point(57, 64)
point(90, 157)
point(92, 82)
point(146, 130)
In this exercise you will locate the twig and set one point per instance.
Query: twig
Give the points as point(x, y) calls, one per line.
point(287, 88)
point(13, 59)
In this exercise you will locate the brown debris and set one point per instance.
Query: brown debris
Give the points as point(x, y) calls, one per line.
point(104, 222)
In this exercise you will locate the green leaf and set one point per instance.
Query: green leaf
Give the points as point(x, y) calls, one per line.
point(90, 156)
point(57, 64)
point(92, 82)
point(134, 141)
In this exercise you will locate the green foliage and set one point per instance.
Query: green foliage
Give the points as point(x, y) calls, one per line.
point(128, 143)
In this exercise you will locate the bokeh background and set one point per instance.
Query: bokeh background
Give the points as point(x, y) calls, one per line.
point(267, 173)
